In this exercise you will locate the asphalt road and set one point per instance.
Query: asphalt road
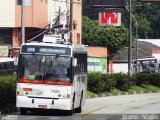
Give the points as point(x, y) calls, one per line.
point(124, 107)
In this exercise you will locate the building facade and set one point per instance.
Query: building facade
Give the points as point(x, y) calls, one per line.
point(73, 11)
point(38, 14)
point(97, 59)
point(36, 18)
point(76, 21)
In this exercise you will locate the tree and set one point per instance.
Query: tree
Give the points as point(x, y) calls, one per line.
point(148, 18)
point(109, 36)
point(146, 13)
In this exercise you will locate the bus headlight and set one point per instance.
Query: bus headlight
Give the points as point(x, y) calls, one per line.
point(24, 91)
point(66, 96)
point(21, 93)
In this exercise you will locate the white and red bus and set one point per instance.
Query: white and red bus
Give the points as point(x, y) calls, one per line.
point(147, 65)
point(51, 76)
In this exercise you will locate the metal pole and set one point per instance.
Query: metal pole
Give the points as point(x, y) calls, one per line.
point(136, 45)
point(23, 21)
point(130, 40)
point(136, 23)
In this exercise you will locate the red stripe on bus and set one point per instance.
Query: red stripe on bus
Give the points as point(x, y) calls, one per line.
point(25, 80)
point(58, 82)
point(30, 81)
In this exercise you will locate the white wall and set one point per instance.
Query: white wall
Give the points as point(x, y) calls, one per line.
point(120, 67)
point(7, 13)
point(53, 7)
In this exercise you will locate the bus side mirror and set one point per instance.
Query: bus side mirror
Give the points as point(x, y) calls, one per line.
point(74, 62)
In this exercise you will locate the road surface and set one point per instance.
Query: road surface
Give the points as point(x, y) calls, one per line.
point(124, 107)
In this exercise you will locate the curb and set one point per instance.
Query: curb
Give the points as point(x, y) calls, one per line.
point(122, 93)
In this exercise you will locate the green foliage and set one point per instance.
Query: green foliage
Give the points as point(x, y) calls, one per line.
point(146, 14)
point(99, 83)
point(148, 20)
point(136, 89)
point(115, 91)
point(123, 81)
point(109, 81)
point(90, 94)
point(151, 88)
point(141, 78)
point(154, 79)
point(7, 92)
point(111, 37)
point(106, 82)
point(95, 83)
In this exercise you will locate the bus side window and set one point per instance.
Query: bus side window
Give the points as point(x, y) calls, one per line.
point(1, 66)
point(9, 65)
point(5, 65)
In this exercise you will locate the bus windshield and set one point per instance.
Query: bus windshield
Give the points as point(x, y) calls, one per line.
point(40, 67)
point(149, 67)
point(146, 65)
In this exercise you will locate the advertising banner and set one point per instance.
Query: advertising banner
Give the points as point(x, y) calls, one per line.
point(109, 18)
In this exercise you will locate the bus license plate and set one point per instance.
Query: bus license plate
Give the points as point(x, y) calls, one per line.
point(42, 106)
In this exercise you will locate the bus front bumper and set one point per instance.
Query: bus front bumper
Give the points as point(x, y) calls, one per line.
point(26, 102)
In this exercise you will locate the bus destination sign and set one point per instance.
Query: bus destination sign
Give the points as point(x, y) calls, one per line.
point(45, 50)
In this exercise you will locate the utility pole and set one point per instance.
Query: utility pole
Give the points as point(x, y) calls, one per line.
point(130, 40)
point(136, 46)
point(23, 21)
point(136, 23)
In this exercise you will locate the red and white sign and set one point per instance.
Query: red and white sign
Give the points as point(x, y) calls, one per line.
point(109, 18)
point(110, 66)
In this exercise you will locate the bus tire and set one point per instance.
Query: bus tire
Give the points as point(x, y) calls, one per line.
point(70, 112)
point(79, 109)
point(23, 111)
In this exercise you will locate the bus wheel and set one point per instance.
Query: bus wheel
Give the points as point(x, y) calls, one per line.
point(79, 109)
point(23, 111)
point(70, 112)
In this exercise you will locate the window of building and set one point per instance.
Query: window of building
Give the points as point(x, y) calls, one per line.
point(19, 2)
point(26, 2)
point(6, 36)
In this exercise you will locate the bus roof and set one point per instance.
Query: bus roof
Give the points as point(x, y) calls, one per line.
point(146, 59)
point(74, 48)
point(46, 44)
